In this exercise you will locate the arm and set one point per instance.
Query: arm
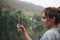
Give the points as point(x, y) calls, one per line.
point(23, 32)
point(26, 37)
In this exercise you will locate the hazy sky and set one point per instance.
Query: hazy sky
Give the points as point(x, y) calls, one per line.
point(45, 3)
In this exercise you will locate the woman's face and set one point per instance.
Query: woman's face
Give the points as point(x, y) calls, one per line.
point(46, 21)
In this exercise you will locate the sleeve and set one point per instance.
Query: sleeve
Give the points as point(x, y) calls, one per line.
point(48, 36)
point(44, 37)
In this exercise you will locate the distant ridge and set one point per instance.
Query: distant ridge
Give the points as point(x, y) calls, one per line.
point(25, 7)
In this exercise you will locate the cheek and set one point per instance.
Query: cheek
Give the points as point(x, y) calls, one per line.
point(46, 23)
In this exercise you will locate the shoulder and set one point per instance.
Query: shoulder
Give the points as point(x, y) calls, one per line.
point(50, 34)
point(46, 35)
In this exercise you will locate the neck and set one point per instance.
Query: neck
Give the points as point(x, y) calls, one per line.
point(53, 26)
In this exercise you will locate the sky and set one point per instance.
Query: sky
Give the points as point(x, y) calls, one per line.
point(44, 3)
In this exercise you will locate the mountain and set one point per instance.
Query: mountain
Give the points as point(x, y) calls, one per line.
point(28, 9)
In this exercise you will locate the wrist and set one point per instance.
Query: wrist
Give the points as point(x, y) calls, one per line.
point(25, 34)
point(26, 37)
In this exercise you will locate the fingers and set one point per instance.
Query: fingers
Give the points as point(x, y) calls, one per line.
point(20, 27)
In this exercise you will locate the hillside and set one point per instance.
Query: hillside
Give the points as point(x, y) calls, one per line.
point(28, 9)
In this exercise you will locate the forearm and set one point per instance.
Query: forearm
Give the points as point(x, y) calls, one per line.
point(26, 37)
point(23, 32)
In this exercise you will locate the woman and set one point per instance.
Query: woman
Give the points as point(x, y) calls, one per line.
point(50, 20)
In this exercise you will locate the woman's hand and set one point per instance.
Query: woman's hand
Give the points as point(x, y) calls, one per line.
point(21, 29)
point(23, 32)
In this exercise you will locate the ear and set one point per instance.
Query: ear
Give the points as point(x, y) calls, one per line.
point(53, 19)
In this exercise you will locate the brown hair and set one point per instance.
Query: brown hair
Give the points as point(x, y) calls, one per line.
point(53, 12)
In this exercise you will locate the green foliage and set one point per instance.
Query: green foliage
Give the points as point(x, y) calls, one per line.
point(37, 28)
point(9, 20)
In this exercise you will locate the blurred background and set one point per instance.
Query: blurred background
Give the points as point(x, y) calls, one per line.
point(29, 17)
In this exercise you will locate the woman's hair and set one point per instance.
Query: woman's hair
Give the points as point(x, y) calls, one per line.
point(53, 12)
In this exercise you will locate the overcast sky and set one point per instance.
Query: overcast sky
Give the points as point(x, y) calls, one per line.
point(45, 3)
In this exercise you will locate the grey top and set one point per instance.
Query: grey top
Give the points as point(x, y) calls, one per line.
point(52, 34)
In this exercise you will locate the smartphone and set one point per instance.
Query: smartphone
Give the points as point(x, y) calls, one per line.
point(19, 20)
